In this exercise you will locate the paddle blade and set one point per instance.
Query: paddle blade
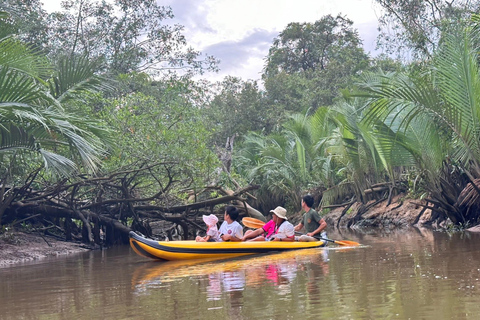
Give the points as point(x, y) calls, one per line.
point(347, 243)
point(252, 223)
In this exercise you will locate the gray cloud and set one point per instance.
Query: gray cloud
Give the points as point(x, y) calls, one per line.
point(240, 57)
point(235, 54)
point(368, 33)
point(191, 14)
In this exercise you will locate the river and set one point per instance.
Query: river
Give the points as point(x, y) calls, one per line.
point(408, 274)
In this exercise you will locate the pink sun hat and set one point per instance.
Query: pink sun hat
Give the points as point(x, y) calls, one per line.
point(210, 220)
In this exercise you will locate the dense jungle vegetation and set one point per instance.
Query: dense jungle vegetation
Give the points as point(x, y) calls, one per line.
point(103, 128)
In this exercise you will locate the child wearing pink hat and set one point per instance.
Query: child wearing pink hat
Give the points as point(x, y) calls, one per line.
point(212, 230)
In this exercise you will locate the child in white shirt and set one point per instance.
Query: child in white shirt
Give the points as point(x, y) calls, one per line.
point(231, 230)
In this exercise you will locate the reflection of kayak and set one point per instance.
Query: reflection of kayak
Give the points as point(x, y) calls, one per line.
point(152, 274)
point(183, 250)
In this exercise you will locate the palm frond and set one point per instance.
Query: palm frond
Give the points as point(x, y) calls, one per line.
point(58, 164)
point(75, 76)
point(17, 87)
point(458, 78)
point(18, 56)
point(13, 137)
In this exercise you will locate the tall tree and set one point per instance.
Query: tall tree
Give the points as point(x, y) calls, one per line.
point(310, 47)
point(123, 35)
point(28, 20)
point(309, 62)
point(238, 107)
point(414, 27)
point(165, 126)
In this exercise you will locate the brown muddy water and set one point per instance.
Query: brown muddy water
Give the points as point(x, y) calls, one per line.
point(409, 274)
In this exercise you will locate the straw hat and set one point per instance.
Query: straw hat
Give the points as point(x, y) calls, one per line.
point(210, 220)
point(280, 212)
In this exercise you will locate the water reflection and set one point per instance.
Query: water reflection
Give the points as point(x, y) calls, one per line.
point(214, 288)
point(226, 276)
point(403, 274)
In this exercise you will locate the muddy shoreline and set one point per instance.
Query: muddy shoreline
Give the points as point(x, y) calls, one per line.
point(17, 247)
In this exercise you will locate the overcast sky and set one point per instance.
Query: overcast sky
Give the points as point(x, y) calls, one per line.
point(240, 32)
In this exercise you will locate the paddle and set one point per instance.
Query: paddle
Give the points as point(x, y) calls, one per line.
point(340, 242)
point(255, 223)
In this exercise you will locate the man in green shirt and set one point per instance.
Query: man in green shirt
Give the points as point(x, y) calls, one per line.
point(313, 223)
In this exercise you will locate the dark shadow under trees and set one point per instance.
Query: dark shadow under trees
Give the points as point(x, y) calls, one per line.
point(102, 210)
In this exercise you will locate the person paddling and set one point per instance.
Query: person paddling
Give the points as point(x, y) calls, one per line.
point(313, 223)
point(277, 229)
point(284, 230)
point(261, 234)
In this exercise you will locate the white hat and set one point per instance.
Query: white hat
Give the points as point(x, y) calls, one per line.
point(280, 212)
point(210, 220)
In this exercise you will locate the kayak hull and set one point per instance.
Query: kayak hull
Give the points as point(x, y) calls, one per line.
point(187, 250)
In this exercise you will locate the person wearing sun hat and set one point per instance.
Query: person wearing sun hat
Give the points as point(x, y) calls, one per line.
point(277, 229)
point(212, 231)
point(284, 230)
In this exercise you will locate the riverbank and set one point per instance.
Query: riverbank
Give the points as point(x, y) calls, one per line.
point(401, 212)
point(17, 247)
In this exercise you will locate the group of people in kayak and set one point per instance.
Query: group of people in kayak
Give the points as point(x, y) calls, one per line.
point(277, 229)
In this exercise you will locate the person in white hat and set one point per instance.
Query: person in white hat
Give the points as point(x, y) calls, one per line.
point(212, 230)
point(277, 229)
point(284, 230)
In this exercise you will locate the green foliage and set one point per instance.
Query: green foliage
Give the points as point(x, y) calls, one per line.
point(237, 108)
point(287, 162)
point(123, 36)
point(437, 112)
point(28, 20)
point(300, 133)
point(290, 93)
point(306, 66)
point(310, 47)
point(455, 228)
point(26, 226)
point(412, 27)
point(78, 223)
point(34, 125)
point(309, 63)
point(444, 101)
point(165, 128)
point(365, 152)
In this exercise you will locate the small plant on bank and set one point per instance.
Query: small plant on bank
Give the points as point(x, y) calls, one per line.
point(26, 226)
point(452, 228)
point(7, 236)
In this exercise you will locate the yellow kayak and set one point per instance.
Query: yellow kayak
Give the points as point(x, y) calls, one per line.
point(186, 250)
